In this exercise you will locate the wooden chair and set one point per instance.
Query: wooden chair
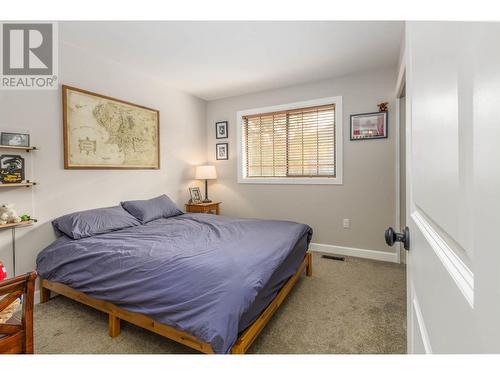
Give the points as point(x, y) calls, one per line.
point(17, 336)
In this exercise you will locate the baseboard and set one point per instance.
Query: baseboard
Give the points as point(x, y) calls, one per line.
point(385, 256)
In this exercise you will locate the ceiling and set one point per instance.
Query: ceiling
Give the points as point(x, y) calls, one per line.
point(216, 59)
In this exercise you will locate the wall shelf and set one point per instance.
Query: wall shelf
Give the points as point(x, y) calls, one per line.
point(4, 187)
point(19, 184)
point(19, 148)
point(17, 225)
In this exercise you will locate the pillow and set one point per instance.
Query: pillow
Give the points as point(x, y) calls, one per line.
point(91, 222)
point(152, 209)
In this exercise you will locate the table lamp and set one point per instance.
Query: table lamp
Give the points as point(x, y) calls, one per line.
point(206, 172)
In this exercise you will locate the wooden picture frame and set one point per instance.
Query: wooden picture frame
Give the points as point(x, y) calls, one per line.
point(221, 130)
point(112, 109)
point(365, 126)
point(222, 151)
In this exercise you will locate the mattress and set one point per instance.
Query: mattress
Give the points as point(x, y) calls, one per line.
point(275, 283)
point(207, 275)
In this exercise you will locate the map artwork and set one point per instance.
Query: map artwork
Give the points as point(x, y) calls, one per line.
point(102, 132)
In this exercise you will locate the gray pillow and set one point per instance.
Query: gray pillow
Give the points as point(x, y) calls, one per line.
point(152, 209)
point(91, 222)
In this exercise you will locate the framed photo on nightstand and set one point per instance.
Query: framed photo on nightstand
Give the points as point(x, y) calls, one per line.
point(195, 194)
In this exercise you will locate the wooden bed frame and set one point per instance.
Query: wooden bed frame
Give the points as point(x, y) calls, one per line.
point(116, 314)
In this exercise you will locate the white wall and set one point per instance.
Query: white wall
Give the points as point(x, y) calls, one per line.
point(182, 144)
point(187, 128)
point(367, 195)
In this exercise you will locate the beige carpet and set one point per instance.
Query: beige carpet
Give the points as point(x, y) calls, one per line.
point(356, 306)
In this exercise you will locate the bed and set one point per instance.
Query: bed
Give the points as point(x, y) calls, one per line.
point(209, 282)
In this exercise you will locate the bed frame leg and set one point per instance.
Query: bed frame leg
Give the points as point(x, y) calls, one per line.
point(44, 294)
point(113, 325)
point(309, 267)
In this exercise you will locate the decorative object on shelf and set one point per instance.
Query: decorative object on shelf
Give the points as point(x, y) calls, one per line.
point(8, 214)
point(131, 132)
point(382, 107)
point(15, 139)
point(221, 151)
point(206, 172)
point(11, 169)
point(368, 126)
point(221, 130)
point(25, 217)
point(195, 194)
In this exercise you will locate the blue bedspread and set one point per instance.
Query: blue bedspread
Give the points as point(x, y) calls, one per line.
point(198, 273)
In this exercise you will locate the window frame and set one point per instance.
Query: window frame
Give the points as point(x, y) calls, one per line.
point(241, 152)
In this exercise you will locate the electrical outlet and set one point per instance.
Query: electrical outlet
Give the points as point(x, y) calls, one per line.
point(347, 223)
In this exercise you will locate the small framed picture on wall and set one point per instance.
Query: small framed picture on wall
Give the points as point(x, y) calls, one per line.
point(11, 169)
point(221, 130)
point(368, 126)
point(15, 139)
point(221, 151)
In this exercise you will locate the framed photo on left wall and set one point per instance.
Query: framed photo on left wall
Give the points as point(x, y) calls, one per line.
point(221, 151)
point(221, 129)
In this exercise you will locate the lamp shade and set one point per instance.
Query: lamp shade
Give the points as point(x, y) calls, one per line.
point(206, 172)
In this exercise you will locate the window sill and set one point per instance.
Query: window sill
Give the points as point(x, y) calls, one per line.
point(291, 180)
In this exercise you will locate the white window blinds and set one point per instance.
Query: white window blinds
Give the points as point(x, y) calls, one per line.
point(293, 143)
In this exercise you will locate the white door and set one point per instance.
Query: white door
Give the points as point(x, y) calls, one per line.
point(453, 186)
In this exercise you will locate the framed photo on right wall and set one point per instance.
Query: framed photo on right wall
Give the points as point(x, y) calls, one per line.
point(368, 126)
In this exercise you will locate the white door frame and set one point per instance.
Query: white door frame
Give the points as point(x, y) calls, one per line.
point(400, 86)
point(397, 246)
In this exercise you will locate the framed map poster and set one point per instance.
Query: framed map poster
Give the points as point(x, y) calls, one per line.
point(106, 133)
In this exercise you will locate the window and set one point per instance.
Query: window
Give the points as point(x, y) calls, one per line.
point(294, 143)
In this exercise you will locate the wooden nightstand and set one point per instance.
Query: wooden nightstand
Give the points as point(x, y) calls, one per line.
point(203, 208)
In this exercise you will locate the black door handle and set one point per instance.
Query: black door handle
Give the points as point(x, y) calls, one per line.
point(391, 237)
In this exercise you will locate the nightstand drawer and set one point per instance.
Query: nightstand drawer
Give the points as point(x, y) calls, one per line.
point(203, 208)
